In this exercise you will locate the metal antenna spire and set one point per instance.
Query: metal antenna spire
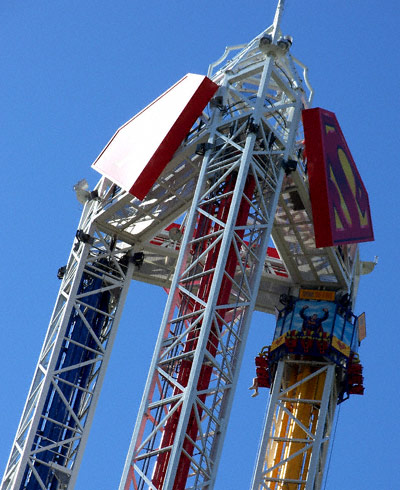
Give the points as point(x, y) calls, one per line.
point(277, 19)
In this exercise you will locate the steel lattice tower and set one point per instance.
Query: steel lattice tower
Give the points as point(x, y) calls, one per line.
point(252, 133)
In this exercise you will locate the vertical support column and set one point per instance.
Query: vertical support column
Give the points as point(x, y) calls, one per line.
point(297, 426)
point(179, 432)
point(61, 402)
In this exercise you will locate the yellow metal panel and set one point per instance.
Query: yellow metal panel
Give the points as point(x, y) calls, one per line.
point(340, 346)
point(317, 295)
point(278, 342)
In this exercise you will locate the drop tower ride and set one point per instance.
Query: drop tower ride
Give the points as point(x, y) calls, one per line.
point(233, 194)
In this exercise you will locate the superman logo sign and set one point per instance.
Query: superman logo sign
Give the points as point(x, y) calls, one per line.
point(339, 200)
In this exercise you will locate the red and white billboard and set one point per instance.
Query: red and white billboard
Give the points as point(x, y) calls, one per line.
point(339, 200)
point(140, 150)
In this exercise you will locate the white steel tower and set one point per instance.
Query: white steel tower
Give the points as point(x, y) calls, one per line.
point(252, 140)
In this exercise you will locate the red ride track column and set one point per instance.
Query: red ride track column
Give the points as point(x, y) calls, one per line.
point(205, 224)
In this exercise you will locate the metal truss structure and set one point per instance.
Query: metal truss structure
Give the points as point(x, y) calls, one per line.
point(297, 428)
point(204, 231)
point(181, 424)
point(61, 402)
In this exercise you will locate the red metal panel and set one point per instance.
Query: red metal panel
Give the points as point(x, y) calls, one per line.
point(140, 150)
point(339, 200)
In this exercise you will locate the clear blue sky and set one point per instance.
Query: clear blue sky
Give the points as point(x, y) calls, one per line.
point(72, 73)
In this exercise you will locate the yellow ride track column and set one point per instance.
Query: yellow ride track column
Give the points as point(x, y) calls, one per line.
point(297, 429)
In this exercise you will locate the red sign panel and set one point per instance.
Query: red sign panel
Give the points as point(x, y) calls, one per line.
point(141, 149)
point(339, 200)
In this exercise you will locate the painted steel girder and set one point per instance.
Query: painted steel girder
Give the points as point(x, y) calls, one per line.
point(187, 399)
point(60, 406)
